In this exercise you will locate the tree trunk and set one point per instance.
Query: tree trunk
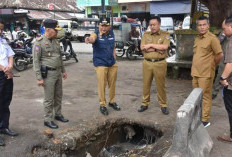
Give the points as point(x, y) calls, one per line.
point(218, 10)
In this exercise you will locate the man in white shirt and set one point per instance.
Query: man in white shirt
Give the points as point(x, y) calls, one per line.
point(6, 85)
point(15, 33)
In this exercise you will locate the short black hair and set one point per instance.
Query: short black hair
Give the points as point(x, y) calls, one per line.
point(203, 18)
point(156, 18)
point(228, 20)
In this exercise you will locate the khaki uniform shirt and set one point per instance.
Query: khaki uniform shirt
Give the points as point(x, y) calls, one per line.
point(205, 48)
point(227, 49)
point(155, 38)
point(47, 52)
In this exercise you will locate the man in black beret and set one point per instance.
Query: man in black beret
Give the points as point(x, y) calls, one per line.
point(49, 69)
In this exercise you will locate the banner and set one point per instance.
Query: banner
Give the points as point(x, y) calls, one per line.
point(91, 2)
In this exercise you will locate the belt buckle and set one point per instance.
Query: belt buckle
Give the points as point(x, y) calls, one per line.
point(153, 60)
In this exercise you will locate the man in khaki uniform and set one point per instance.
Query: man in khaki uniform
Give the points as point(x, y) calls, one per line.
point(154, 44)
point(49, 69)
point(207, 54)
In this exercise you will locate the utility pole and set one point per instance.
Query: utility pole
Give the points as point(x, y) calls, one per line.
point(103, 7)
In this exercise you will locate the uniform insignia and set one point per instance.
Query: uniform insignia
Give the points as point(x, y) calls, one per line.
point(39, 38)
point(168, 37)
point(37, 48)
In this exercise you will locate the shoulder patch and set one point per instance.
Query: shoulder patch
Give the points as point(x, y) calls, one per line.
point(37, 48)
point(39, 38)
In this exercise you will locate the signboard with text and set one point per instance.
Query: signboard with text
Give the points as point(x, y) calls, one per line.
point(91, 2)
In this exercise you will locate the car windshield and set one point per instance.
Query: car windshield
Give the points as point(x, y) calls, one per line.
point(165, 22)
point(186, 22)
point(63, 24)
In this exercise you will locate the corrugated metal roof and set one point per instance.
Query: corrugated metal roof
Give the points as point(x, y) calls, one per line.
point(60, 5)
point(40, 15)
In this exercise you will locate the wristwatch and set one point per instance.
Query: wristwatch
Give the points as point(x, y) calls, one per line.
point(222, 78)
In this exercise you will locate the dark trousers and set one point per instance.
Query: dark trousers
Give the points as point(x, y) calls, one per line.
point(66, 43)
point(228, 105)
point(6, 92)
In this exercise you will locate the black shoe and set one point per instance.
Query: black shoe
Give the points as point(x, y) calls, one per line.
point(115, 106)
point(2, 143)
point(214, 96)
point(104, 110)
point(61, 118)
point(51, 125)
point(8, 132)
point(165, 110)
point(142, 108)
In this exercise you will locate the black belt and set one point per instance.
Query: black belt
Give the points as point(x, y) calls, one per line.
point(154, 60)
point(52, 69)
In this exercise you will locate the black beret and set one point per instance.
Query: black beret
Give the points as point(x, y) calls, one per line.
point(105, 21)
point(50, 23)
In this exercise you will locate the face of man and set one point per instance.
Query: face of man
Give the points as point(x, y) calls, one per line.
point(104, 28)
point(154, 25)
point(227, 29)
point(52, 33)
point(202, 26)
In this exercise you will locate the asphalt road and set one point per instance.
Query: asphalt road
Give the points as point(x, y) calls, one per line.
point(80, 104)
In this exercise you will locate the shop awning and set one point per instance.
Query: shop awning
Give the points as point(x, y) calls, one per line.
point(38, 15)
point(170, 7)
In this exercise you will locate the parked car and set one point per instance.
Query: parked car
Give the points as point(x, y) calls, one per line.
point(186, 23)
point(167, 24)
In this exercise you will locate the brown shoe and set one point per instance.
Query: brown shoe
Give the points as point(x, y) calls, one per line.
point(224, 138)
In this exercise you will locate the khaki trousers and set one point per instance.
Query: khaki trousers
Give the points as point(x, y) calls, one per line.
point(206, 84)
point(156, 70)
point(106, 75)
point(52, 94)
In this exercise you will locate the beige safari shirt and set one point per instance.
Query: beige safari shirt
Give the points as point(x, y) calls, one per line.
point(160, 37)
point(46, 52)
point(204, 50)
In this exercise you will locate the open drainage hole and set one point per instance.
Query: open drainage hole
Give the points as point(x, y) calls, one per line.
point(118, 140)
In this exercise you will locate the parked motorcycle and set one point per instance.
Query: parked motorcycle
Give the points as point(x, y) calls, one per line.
point(22, 59)
point(172, 48)
point(67, 49)
point(120, 48)
point(131, 49)
point(22, 48)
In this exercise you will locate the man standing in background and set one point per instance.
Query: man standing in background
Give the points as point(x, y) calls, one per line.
point(207, 54)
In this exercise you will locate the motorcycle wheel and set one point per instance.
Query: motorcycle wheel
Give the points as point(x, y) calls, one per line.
point(129, 53)
point(120, 52)
point(171, 52)
point(19, 66)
